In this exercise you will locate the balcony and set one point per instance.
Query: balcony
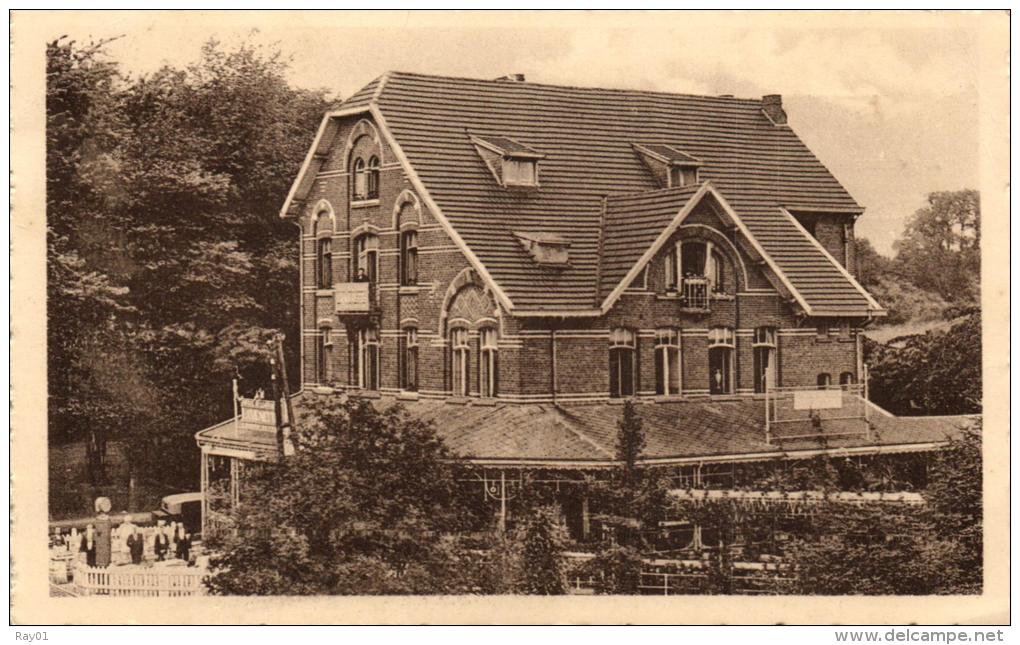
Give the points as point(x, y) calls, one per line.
point(695, 293)
point(355, 299)
point(816, 413)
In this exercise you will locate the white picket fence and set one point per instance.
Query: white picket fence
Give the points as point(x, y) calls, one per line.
point(139, 582)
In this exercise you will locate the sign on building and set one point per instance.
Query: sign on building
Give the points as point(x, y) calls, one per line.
point(817, 399)
point(352, 297)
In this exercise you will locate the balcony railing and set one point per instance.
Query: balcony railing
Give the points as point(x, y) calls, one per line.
point(695, 291)
point(354, 298)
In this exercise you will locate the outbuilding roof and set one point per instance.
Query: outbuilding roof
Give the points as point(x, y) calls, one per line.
point(588, 136)
point(584, 434)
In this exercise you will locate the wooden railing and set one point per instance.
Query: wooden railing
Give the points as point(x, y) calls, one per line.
point(139, 582)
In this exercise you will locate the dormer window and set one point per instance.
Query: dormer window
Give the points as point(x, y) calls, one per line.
point(512, 163)
point(683, 176)
point(546, 249)
point(671, 167)
point(520, 172)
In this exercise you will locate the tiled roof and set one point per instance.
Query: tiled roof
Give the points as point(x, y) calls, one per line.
point(585, 434)
point(670, 154)
point(632, 223)
point(509, 147)
point(587, 135)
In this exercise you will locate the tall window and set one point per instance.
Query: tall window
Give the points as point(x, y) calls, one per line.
point(667, 361)
point(716, 275)
point(372, 179)
point(824, 380)
point(847, 378)
point(672, 273)
point(720, 360)
point(764, 358)
point(409, 360)
point(360, 179)
point(366, 258)
point(695, 262)
point(622, 363)
point(460, 364)
point(324, 262)
point(322, 356)
point(367, 351)
point(488, 363)
point(409, 258)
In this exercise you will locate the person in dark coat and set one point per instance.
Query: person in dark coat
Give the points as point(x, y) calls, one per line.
point(184, 545)
point(88, 545)
point(161, 543)
point(136, 545)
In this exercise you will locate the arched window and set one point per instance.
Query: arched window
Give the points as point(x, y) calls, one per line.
point(460, 363)
point(696, 269)
point(720, 360)
point(716, 272)
point(366, 258)
point(764, 358)
point(847, 378)
point(365, 358)
point(824, 380)
point(488, 363)
point(409, 359)
point(372, 179)
point(323, 345)
point(667, 361)
point(360, 180)
point(622, 363)
point(324, 262)
point(409, 258)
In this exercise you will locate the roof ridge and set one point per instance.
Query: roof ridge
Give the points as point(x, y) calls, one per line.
point(583, 88)
point(655, 192)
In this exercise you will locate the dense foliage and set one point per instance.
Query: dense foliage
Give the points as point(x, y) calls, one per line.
point(367, 504)
point(938, 372)
point(936, 269)
point(896, 549)
point(168, 266)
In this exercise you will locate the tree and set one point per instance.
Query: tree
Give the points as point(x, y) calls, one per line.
point(940, 250)
point(368, 504)
point(630, 440)
point(167, 257)
point(542, 567)
point(956, 501)
point(935, 373)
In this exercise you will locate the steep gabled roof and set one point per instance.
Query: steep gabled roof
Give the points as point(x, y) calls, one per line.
point(587, 136)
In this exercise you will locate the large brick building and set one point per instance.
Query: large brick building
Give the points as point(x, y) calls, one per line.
point(513, 260)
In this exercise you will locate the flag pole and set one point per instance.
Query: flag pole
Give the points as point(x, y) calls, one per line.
point(237, 413)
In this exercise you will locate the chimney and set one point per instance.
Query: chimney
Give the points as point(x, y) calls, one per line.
point(772, 106)
point(512, 78)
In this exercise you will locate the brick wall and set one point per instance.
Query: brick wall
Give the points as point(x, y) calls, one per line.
point(526, 354)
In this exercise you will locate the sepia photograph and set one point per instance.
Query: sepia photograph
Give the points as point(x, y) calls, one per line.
point(495, 305)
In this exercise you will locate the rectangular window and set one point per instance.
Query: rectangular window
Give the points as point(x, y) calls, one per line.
point(667, 361)
point(409, 258)
point(519, 172)
point(460, 361)
point(368, 342)
point(324, 257)
point(322, 356)
point(764, 343)
point(488, 363)
point(720, 360)
point(622, 363)
point(671, 268)
point(409, 360)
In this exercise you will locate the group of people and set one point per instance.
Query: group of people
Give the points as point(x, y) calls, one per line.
point(130, 543)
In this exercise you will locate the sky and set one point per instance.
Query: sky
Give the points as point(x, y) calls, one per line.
point(888, 102)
